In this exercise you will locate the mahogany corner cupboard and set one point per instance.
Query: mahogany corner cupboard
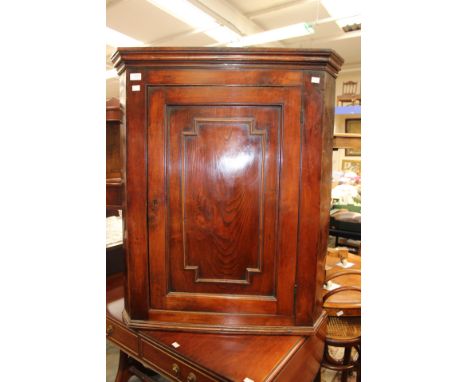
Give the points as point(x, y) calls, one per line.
point(226, 174)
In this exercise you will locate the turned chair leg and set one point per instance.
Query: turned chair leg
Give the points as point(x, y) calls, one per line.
point(346, 361)
point(358, 364)
point(123, 373)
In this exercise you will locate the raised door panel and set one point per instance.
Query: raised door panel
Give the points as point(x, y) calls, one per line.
point(223, 164)
point(222, 190)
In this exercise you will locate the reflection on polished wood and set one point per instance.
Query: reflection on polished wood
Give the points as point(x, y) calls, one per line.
point(343, 305)
point(227, 171)
point(210, 357)
point(349, 302)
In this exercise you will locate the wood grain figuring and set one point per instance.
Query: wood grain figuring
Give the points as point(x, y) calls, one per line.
point(199, 186)
point(229, 78)
point(306, 362)
point(163, 362)
point(233, 357)
point(203, 219)
point(309, 196)
point(227, 172)
point(126, 339)
point(222, 214)
point(325, 186)
point(135, 208)
point(240, 363)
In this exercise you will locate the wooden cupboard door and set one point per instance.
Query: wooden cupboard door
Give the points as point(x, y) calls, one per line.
point(223, 186)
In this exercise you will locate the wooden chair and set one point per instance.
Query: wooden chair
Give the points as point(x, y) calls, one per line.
point(343, 331)
point(349, 93)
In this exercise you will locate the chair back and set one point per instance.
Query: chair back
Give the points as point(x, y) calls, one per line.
point(343, 288)
point(349, 88)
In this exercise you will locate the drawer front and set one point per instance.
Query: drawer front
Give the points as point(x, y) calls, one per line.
point(171, 366)
point(122, 337)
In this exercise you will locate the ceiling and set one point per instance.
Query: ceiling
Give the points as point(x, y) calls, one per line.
point(144, 21)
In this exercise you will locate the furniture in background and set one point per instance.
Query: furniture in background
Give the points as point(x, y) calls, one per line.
point(113, 157)
point(346, 224)
point(114, 239)
point(212, 136)
point(347, 141)
point(204, 357)
point(343, 305)
point(347, 303)
point(353, 126)
point(115, 262)
point(344, 332)
point(349, 93)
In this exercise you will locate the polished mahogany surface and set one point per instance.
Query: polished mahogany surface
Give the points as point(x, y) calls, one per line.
point(227, 357)
point(346, 302)
point(227, 169)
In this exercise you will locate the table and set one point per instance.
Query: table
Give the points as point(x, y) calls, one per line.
point(202, 357)
point(348, 302)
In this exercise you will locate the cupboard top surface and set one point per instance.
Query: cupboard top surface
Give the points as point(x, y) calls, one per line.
point(321, 59)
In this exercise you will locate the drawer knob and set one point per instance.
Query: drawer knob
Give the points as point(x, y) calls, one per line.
point(109, 330)
point(175, 368)
point(191, 378)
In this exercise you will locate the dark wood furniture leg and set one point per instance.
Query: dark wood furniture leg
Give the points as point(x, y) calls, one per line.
point(346, 361)
point(123, 373)
point(358, 363)
point(318, 377)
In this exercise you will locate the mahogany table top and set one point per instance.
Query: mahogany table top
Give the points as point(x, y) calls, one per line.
point(235, 357)
point(348, 302)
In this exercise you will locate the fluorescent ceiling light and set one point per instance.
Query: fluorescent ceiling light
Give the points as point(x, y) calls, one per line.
point(188, 13)
point(284, 33)
point(111, 74)
point(347, 12)
point(222, 34)
point(116, 39)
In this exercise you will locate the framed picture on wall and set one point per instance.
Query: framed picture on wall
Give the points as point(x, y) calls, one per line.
point(353, 126)
point(351, 165)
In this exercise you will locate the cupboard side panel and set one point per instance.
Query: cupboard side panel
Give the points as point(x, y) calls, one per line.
point(309, 224)
point(328, 116)
point(135, 204)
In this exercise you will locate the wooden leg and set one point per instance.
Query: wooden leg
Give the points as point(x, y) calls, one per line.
point(358, 364)
point(123, 373)
point(346, 361)
point(318, 377)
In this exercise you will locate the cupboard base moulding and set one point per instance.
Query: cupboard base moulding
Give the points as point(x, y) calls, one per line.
point(219, 329)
